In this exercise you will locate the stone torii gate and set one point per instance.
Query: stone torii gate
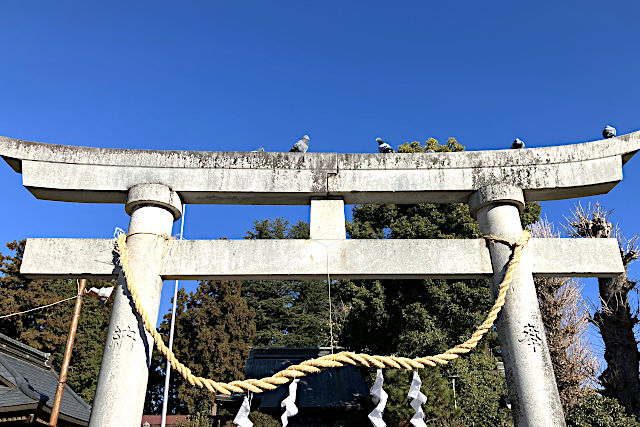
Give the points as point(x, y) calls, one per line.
point(154, 184)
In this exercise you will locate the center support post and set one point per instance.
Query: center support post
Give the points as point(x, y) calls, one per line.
point(327, 220)
point(529, 371)
point(122, 382)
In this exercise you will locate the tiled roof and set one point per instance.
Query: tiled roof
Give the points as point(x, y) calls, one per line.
point(156, 420)
point(29, 371)
point(340, 388)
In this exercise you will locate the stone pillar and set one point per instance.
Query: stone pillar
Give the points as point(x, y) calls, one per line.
point(530, 379)
point(124, 371)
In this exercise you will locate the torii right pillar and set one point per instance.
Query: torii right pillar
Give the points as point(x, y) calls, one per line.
point(530, 379)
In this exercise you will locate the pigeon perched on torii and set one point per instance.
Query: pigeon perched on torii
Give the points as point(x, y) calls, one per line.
point(517, 144)
point(383, 147)
point(301, 146)
point(609, 132)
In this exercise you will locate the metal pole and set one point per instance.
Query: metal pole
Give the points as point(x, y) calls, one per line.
point(57, 401)
point(165, 397)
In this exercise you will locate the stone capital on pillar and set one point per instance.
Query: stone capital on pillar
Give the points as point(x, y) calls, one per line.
point(154, 195)
point(501, 193)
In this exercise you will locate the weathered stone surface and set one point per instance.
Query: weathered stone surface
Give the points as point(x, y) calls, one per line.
point(83, 174)
point(502, 193)
point(306, 259)
point(155, 194)
point(15, 150)
point(327, 219)
point(530, 378)
point(110, 184)
point(456, 184)
point(124, 370)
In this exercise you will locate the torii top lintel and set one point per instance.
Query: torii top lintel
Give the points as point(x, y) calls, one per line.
point(102, 175)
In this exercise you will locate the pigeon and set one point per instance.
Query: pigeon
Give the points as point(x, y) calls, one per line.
point(301, 146)
point(259, 150)
point(609, 132)
point(383, 147)
point(518, 143)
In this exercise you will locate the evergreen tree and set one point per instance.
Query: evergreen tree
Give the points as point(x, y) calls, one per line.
point(594, 410)
point(213, 330)
point(289, 313)
point(47, 329)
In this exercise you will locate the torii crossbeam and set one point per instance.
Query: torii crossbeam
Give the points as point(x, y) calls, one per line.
point(154, 184)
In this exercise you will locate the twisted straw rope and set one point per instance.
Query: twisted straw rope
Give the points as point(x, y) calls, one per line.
point(332, 360)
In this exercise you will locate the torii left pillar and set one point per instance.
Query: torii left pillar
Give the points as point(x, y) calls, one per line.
point(124, 371)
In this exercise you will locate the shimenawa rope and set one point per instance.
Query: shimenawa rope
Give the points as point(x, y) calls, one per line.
point(332, 360)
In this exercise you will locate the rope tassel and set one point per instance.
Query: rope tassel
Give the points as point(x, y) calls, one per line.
point(329, 361)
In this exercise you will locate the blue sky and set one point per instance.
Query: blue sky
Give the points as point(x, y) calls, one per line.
point(237, 76)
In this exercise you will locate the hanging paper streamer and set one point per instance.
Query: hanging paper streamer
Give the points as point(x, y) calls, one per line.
point(103, 294)
point(289, 403)
point(380, 399)
point(242, 417)
point(418, 399)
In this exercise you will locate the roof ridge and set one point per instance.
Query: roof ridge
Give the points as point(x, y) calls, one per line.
point(23, 351)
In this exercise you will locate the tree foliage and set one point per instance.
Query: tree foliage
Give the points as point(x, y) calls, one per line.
point(597, 411)
point(259, 420)
point(289, 313)
point(199, 419)
point(47, 329)
point(214, 328)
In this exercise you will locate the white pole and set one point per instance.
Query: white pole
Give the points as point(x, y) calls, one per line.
point(455, 401)
point(165, 398)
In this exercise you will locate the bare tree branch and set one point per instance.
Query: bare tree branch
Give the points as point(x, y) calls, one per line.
point(566, 319)
point(614, 318)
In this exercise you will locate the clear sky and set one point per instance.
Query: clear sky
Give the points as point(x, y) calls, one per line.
point(234, 76)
